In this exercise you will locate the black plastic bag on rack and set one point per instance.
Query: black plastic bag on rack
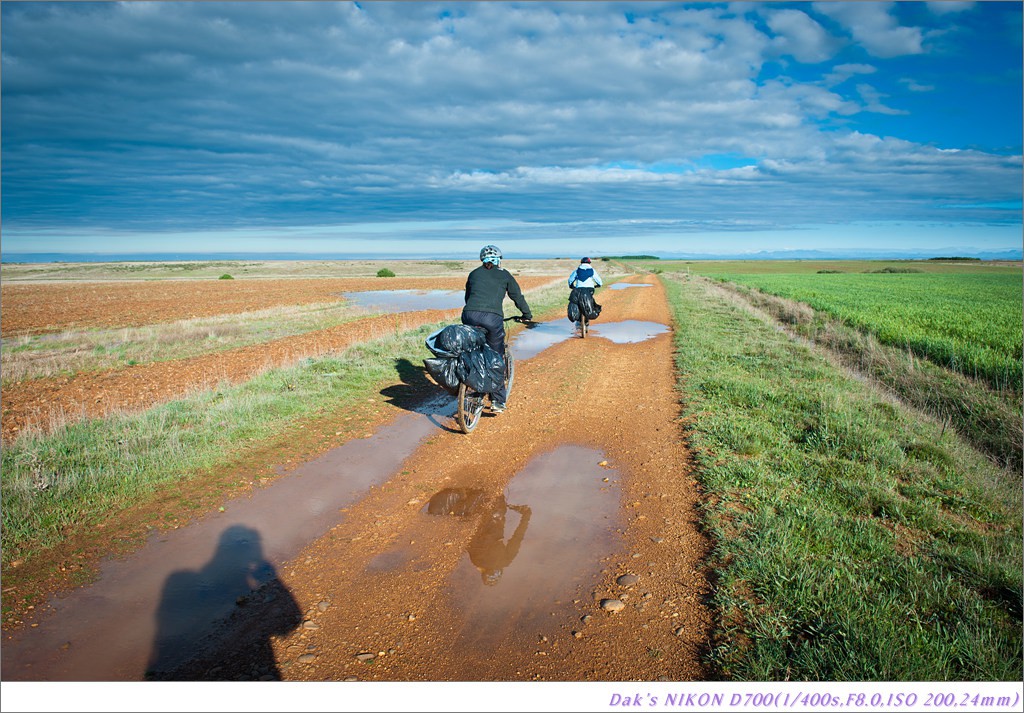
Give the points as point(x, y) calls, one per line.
point(482, 369)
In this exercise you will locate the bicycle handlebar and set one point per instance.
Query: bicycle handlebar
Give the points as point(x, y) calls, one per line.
point(521, 319)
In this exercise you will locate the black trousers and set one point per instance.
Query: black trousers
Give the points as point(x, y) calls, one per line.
point(495, 326)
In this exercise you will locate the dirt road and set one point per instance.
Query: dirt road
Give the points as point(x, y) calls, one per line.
point(558, 541)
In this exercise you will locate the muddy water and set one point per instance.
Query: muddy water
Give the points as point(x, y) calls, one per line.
point(405, 300)
point(627, 285)
point(151, 610)
point(626, 332)
point(534, 548)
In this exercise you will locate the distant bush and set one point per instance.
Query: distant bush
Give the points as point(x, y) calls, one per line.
point(384, 272)
point(893, 270)
point(958, 259)
point(830, 272)
point(225, 276)
point(632, 257)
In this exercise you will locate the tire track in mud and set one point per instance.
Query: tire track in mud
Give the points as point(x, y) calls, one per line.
point(617, 399)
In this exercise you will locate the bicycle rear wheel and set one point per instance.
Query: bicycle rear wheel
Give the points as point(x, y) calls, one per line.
point(510, 371)
point(471, 405)
point(584, 322)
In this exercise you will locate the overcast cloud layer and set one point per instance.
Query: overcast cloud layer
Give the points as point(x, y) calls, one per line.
point(292, 125)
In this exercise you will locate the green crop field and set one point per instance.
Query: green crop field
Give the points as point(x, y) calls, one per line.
point(963, 316)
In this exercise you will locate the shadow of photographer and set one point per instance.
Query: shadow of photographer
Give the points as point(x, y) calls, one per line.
point(216, 623)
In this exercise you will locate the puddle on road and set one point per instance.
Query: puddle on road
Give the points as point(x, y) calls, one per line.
point(160, 603)
point(405, 300)
point(532, 546)
point(531, 342)
point(627, 332)
point(626, 285)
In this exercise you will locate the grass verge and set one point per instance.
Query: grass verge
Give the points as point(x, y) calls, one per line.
point(853, 540)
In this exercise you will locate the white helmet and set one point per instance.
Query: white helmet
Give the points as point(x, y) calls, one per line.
point(490, 253)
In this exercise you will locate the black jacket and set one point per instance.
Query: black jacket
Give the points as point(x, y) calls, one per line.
point(486, 290)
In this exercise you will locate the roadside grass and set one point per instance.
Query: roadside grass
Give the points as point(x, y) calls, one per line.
point(79, 474)
point(852, 538)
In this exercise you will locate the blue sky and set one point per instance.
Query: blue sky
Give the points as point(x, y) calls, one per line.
point(420, 128)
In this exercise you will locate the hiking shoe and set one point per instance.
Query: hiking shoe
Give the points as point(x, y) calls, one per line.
point(497, 408)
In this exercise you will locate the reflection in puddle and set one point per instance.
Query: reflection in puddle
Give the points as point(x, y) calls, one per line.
point(625, 285)
point(533, 547)
point(456, 501)
point(627, 332)
point(405, 300)
point(531, 342)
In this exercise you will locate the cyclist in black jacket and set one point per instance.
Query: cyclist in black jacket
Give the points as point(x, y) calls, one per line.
point(486, 288)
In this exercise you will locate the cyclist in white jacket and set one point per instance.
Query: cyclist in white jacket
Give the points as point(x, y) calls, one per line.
point(584, 276)
point(583, 280)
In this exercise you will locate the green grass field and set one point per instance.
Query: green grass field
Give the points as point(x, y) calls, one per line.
point(963, 316)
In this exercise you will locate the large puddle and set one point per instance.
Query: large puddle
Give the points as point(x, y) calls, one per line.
point(531, 342)
point(406, 300)
point(627, 285)
point(532, 547)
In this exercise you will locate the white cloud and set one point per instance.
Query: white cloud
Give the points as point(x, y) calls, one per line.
point(946, 7)
point(799, 35)
point(914, 86)
point(873, 26)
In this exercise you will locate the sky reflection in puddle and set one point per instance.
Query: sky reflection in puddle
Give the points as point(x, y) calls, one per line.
point(531, 342)
point(627, 332)
point(405, 300)
point(625, 285)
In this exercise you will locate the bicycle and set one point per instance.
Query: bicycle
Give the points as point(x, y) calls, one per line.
point(584, 325)
point(470, 402)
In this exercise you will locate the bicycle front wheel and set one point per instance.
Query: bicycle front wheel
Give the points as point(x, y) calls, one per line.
point(471, 405)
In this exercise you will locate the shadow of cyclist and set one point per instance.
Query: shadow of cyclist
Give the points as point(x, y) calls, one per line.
point(216, 623)
point(488, 550)
point(415, 389)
